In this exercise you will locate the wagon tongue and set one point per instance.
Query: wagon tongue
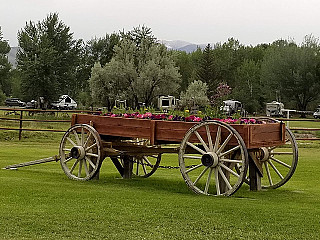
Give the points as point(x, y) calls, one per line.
point(39, 161)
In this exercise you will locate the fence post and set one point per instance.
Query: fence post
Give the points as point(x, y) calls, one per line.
point(20, 125)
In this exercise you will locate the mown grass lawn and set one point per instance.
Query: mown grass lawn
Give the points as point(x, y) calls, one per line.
point(40, 202)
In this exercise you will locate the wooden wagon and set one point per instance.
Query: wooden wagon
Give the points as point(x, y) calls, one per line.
point(215, 158)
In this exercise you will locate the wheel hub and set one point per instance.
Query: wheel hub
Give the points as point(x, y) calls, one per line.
point(265, 154)
point(77, 152)
point(210, 159)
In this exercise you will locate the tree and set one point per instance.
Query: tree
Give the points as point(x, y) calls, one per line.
point(140, 70)
point(196, 95)
point(249, 88)
point(5, 67)
point(206, 70)
point(228, 57)
point(48, 58)
point(294, 71)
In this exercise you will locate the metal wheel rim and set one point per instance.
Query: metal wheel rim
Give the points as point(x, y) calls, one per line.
point(86, 140)
point(215, 172)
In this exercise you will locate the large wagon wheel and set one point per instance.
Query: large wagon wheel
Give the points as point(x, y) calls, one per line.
point(209, 148)
point(81, 152)
point(279, 162)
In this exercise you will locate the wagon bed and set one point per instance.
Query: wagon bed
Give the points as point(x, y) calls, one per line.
point(166, 132)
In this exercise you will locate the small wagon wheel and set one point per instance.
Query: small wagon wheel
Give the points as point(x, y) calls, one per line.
point(145, 166)
point(81, 152)
point(209, 148)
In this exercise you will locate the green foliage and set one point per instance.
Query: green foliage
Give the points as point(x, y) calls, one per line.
point(196, 95)
point(5, 66)
point(47, 58)
point(293, 71)
point(249, 88)
point(139, 71)
point(206, 71)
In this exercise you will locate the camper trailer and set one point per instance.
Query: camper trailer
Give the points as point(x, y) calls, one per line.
point(275, 109)
point(231, 106)
point(167, 102)
point(64, 102)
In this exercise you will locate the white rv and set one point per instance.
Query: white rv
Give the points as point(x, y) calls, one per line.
point(167, 102)
point(275, 109)
point(64, 102)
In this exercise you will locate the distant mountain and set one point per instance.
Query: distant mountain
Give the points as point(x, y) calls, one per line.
point(170, 44)
point(12, 55)
point(182, 45)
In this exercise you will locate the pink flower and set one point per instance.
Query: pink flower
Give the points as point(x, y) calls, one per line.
point(170, 117)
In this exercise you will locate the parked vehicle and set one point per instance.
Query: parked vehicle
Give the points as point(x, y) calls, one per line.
point(275, 109)
point(316, 114)
point(31, 104)
point(167, 102)
point(64, 102)
point(14, 102)
point(232, 106)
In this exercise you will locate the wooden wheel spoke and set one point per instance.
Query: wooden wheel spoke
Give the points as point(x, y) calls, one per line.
point(191, 157)
point(218, 137)
point(90, 162)
point(90, 147)
point(144, 169)
point(200, 176)
point(229, 151)
point(196, 148)
point(67, 160)
point(82, 136)
point(229, 170)
point(77, 137)
point(224, 144)
point(231, 160)
point(74, 165)
point(92, 155)
point(146, 160)
point(216, 174)
point(224, 178)
point(85, 167)
point(66, 149)
point(268, 173)
point(72, 142)
point(202, 141)
point(209, 138)
point(280, 162)
point(282, 153)
point(137, 170)
point(275, 169)
point(88, 138)
point(208, 181)
point(80, 168)
point(194, 168)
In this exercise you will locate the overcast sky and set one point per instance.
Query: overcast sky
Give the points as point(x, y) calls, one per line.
point(196, 21)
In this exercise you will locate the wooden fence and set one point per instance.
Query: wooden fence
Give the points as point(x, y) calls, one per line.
point(21, 111)
point(288, 120)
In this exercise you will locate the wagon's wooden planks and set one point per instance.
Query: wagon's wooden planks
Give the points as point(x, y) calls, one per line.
point(254, 135)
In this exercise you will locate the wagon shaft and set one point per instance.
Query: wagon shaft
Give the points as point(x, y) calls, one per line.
point(44, 160)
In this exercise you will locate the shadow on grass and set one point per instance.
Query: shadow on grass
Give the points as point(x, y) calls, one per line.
point(164, 182)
